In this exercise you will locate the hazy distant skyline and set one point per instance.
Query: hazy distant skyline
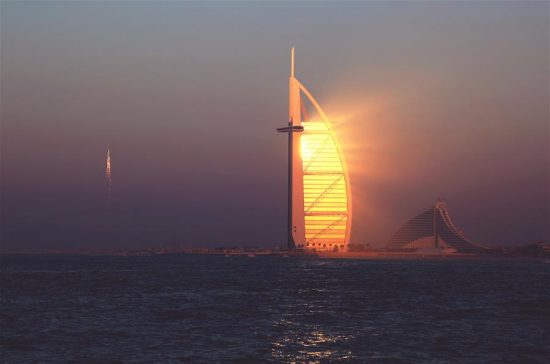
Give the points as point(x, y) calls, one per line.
point(434, 99)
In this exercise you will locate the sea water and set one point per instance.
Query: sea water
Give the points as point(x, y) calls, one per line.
point(213, 309)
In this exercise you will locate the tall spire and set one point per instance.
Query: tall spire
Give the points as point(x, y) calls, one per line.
point(292, 64)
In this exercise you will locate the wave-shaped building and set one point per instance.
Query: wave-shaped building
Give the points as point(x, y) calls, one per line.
point(432, 229)
point(319, 193)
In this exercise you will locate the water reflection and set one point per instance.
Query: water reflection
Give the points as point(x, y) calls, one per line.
point(203, 309)
point(312, 343)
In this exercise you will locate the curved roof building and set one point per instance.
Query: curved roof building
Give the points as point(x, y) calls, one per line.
point(319, 193)
point(432, 229)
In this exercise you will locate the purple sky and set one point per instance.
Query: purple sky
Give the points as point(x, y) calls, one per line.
point(434, 99)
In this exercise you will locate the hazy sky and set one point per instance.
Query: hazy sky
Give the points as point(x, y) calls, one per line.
point(434, 99)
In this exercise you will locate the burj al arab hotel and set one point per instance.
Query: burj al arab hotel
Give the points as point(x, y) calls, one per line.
point(319, 193)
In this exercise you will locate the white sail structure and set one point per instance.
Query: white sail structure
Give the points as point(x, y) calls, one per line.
point(320, 204)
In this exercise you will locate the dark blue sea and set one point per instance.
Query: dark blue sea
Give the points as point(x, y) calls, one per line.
point(212, 309)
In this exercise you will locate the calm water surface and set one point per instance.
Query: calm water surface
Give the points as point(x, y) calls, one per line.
point(209, 309)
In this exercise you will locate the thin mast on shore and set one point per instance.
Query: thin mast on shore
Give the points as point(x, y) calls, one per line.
point(108, 178)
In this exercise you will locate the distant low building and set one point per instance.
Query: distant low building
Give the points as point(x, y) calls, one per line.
point(432, 231)
point(540, 250)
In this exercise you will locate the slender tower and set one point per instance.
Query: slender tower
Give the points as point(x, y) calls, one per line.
point(319, 193)
point(295, 188)
point(108, 178)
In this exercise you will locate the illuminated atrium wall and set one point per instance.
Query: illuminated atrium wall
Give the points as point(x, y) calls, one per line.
point(325, 194)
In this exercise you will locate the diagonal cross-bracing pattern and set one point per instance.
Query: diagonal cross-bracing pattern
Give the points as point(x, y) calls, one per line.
point(327, 229)
point(324, 193)
point(317, 153)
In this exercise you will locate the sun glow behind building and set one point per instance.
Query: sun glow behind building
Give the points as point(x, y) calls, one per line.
point(319, 203)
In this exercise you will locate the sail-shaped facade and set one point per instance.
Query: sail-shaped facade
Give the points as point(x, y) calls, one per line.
point(319, 186)
point(432, 229)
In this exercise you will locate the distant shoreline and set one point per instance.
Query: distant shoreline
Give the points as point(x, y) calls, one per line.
point(312, 255)
point(419, 256)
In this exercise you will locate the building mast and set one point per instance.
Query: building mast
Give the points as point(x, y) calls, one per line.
point(290, 239)
point(294, 125)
